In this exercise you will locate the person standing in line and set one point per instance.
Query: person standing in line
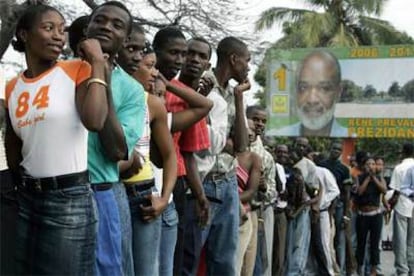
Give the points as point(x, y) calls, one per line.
point(298, 248)
point(407, 190)
point(266, 196)
point(248, 169)
point(50, 108)
point(370, 186)
point(342, 213)
point(402, 201)
point(111, 23)
point(145, 201)
point(330, 192)
point(298, 234)
point(8, 199)
point(170, 47)
point(280, 227)
point(217, 166)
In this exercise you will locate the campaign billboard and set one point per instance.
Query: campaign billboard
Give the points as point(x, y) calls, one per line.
point(341, 92)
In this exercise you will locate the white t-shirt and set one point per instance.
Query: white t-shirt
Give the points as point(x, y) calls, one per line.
point(44, 116)
point(404, 205)
point(3, 161)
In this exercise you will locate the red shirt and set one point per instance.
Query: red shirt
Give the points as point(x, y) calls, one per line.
point(193, 139)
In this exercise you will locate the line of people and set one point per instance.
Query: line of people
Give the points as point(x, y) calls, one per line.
point(138, 158)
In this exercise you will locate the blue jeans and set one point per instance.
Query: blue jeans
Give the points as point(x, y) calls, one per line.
point(109, 241)
point(403, 244)
point(298, 238)
point(221, 235)
point(339, 240)
point(56, 232)
point(168, 240)
point(146, 237)
point(126, 228)
point(258, 266)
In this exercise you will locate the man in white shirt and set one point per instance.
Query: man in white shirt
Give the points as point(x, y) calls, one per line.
point(220, 236)
point(330, 191)
point(403, 237)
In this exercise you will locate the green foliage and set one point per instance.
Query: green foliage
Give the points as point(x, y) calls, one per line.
point(394, 90)
point(387, 148)
point(369, 91)
point(408, 91)
point(260, 96)
point(350, 91)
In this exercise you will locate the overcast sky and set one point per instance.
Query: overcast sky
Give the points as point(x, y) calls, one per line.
point(398, 12)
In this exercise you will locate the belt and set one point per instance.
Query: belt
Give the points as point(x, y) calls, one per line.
point(370, 213)
point(134, 188)
point(55, 182)
point(215, 176)
point(210, 198)
point(99, 187)
point(279, 210)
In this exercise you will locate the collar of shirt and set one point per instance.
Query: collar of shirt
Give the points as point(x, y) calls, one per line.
point(224, 91)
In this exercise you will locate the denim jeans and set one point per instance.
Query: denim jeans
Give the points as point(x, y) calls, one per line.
point(109, 241)
point(126, 228)
point(168, 240)
point(56, 232)
point(279, 243)
point(265, 248)
point(339, 241)
point(8, 209)
point(403, 244)
point(220, 236)
point(258, 265)
point(298, 243)
point(146, 237)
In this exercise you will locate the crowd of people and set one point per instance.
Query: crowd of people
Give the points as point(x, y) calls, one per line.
point(138, 158)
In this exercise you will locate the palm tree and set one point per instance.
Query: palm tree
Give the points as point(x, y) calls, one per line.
point(333, 23)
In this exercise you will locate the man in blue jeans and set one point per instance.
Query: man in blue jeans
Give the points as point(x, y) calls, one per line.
point(403, 221)
point(220, 236)
point(122, 129)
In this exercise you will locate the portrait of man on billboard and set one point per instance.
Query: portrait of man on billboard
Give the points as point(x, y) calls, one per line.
point(318, 89)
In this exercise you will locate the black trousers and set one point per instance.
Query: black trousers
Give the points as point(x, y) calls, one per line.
point(8, 211)
point(373, 226)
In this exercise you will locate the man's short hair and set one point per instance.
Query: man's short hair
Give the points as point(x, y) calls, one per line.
point(163, 37)
point(76, 32)
point(136, 27)
point(228, 46)
point(119, 5)
point(251, 109)
point(407, 149)
point(203, 40)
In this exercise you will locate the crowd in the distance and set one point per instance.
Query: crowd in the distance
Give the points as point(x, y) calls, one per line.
point(140, 158)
